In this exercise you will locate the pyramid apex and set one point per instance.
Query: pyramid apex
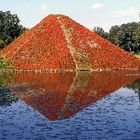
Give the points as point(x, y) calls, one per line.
point(56, 15)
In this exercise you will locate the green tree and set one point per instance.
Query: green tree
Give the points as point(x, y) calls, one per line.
point(100, 31)
point(113, 34)
point(125, 36)
point(10, 28)
point(136, 38)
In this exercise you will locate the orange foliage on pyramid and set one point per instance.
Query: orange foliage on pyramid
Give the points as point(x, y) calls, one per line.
point(60, 43)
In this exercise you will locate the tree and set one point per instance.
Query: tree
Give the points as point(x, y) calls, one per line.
point(10, 28)
point(100, 31)
point(113, 34)
point(136, 38)
point(126, 36)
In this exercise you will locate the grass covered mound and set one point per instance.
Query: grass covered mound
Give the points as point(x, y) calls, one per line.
point(60, 43)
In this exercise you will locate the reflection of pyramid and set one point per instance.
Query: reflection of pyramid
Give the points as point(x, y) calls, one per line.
point(59, 43)
point(59, 96)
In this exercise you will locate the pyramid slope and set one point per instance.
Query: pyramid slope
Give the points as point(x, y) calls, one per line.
point(42, 47)
point(100, 53)
point(59, 43)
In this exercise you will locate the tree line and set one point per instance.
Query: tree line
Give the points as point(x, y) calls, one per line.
point(126, 36)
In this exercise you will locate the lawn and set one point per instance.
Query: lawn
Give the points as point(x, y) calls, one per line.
point(137, 55)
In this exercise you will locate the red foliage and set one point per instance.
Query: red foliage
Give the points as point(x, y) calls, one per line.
point(41, 48)
point(101, 53)
point(45, 47)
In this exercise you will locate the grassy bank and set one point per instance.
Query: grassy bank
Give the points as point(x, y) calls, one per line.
point(137, 55)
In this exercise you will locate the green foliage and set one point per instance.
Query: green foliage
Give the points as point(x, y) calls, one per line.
point(2, 44)
point(135, 86)
point(6, 78)
point(10, 28)
point(100, 31)
point(6, 65)
point(136, 38)
point(126, 36)
point(6, 98)
point(137, 55)
point(112, 34)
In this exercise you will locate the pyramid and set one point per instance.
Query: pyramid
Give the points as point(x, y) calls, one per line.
point(60, 43)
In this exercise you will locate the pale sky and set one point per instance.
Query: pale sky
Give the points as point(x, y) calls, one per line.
point(90, 13)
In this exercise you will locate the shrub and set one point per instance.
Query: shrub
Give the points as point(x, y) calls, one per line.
point(6, 65)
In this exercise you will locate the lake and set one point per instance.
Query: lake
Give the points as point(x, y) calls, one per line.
point(71, 106)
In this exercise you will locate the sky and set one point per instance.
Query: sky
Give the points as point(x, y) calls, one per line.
point(90, 13)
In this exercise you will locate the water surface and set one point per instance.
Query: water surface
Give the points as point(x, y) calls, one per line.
point(72, 106)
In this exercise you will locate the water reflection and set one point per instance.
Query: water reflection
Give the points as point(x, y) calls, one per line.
point(135, 87)
point(61, 95)
point(6, 78)
point(6, 97)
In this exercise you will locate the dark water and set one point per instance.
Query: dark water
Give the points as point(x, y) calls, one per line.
point(82, 106)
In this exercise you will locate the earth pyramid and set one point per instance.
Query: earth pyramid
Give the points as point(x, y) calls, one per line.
point(60, 43)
